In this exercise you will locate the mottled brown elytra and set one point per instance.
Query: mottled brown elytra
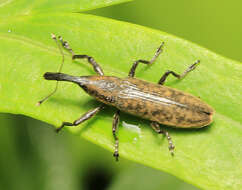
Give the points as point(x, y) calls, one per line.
point(155, 102)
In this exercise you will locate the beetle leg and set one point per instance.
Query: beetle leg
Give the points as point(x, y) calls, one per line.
point(135, 64)
point(190, 68)
point(114, 129)
point(83, 118)
point(90, 59)
point(156, 127)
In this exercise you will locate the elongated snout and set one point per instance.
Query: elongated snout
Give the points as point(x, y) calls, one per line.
point(57, 76)
point(64, 77)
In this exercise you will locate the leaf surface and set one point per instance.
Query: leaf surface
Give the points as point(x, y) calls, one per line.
point(9, 8)
point(209, 158)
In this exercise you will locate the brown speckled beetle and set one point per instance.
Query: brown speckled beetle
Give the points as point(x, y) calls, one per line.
point(155, 102)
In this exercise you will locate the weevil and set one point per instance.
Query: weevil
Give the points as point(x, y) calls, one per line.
point(155, 102)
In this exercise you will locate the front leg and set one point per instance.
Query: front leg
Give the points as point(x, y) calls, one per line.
point(83, 118)
point(114, 129)
point(90, 59)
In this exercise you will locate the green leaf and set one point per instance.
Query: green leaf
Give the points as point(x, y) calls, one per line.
point(27, 7)
point(209, 158)
point(146, 178)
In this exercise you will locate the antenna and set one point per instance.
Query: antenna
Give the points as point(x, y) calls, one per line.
point(59, 70)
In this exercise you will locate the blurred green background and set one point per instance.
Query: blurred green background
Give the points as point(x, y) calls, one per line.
point(34, 157)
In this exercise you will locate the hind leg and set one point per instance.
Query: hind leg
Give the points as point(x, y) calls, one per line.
point(156, 127)
point(167, 73)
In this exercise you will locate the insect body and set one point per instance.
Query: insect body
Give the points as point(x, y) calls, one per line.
point(155, 102)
